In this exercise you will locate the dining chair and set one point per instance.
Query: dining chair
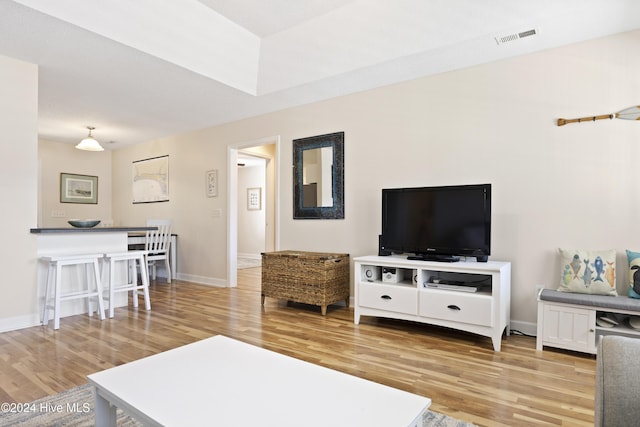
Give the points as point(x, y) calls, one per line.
point(157, 245)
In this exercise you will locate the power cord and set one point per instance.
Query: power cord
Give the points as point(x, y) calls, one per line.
point(517, 332)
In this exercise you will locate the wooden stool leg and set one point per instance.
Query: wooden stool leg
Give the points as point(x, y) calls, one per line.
point(47, 295)
point(133, 282)
point(87, 274)
point(145, 282)
point(112, 286)
point(56, 303)
point(132, 265)
point(96, 271)
point(168, 267)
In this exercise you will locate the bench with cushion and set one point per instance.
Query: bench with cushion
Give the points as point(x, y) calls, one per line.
point(569, 320)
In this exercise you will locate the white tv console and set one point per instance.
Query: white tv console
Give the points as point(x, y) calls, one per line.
point(408, 296)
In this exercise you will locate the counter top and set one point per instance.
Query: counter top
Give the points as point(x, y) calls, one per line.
point(89, 230)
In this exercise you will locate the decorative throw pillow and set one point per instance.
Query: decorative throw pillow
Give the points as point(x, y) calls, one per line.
point(634, 273)
point(588, 272)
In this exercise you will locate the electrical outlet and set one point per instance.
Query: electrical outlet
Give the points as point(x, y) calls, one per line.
point(58, 214)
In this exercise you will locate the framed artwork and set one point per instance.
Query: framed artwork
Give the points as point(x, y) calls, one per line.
point(212, 183)
point(76, 188)
point(151, 180)
point(254, 199)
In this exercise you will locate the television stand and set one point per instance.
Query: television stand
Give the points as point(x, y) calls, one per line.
point(408, 296)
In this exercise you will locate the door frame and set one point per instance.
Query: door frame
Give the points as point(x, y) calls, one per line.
point(232, 201)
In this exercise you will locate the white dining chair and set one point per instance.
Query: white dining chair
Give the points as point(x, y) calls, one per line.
point(157, 245)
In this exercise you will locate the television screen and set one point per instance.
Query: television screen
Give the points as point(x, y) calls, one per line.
point(438, 222)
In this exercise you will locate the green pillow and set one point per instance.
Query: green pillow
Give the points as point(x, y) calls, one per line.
point(588, 272)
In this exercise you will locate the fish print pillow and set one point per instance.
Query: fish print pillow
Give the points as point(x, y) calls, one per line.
point(634, 273)
point(588, 272)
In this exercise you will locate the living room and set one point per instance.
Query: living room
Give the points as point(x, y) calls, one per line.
point(553, 187)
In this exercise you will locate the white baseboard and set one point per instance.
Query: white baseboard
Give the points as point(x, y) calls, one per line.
point(526, 328)
point(19, 322)
point(203, 280)
point(249, 256)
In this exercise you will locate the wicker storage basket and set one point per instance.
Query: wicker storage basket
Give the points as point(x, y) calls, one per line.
point(306, 277)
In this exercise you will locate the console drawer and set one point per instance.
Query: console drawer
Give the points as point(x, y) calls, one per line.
point(456, 306)
point(397, 298)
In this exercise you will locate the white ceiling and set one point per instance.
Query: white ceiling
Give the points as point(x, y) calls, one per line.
point(144, 69)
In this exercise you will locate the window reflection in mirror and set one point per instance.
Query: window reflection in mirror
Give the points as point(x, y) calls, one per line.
point(318, 182)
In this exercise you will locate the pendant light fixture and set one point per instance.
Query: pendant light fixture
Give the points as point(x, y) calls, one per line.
point(89, 144)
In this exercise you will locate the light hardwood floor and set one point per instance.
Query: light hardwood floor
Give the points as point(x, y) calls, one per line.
point(460, 372)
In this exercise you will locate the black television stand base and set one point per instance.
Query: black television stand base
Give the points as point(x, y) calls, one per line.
point(437, 258)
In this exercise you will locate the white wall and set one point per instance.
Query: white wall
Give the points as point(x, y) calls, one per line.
point(201, 232)
point(18, 191)
point(56, 158)
point(572, 186)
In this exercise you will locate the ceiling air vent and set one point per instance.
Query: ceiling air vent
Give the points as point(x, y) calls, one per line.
point(516, 36)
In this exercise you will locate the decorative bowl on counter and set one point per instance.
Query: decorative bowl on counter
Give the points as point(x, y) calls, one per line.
point(84, 223)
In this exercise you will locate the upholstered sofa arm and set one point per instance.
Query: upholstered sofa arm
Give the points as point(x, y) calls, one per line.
point(617, 393)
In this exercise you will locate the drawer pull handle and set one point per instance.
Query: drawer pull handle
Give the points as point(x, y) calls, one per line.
point(453, 307)
point(387, 297)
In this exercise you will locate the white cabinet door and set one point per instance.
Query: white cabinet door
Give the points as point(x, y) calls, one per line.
point(569, 328)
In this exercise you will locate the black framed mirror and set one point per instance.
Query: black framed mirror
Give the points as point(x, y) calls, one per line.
point(318, 177)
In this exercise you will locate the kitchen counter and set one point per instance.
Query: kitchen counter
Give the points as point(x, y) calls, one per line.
point(97, 229)
point(135, 236)
point(72, 241)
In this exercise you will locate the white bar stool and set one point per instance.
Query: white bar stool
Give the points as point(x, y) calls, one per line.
point(54, 280)
point(134, 260)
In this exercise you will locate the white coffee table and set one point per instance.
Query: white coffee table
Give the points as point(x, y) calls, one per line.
point(223, 382)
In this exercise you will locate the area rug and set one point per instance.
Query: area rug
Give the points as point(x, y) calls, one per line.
point(74, 408)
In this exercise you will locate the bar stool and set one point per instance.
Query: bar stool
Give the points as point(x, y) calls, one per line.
point(134, 260)
point(54, 280)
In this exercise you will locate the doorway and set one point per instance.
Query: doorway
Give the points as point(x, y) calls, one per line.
point(268, 151)
point(252, 219)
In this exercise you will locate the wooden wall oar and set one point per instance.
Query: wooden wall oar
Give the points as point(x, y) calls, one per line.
point(631, 113)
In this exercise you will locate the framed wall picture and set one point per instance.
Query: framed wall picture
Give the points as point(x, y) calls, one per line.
point(212, 183)
point(254, 199)
point(151, 180)
point(76, 188)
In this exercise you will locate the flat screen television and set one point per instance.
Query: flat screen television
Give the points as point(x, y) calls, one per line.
point(437, 223)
